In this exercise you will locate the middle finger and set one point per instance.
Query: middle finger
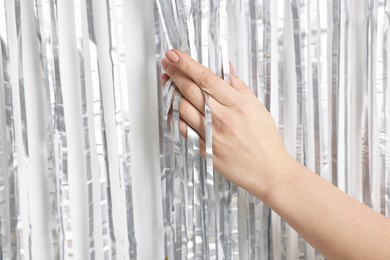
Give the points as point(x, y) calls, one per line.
point(192, 92)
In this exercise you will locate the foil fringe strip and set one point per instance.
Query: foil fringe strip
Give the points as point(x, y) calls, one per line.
point(121, 93)
point(47, 34)
point(8, 139)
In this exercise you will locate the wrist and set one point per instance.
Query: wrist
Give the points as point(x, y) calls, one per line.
point(282, 176)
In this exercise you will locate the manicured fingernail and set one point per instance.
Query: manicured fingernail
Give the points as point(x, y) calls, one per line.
point(172, 56)
point(164, 63)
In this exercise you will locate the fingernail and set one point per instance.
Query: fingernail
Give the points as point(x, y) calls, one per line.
point(164, 63)
point(172, 56)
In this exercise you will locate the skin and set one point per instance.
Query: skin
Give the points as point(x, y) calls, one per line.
point(248, 150)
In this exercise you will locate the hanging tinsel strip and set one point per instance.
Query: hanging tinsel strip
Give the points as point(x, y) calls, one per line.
point(169, 27)
point(197, 195)
point(8, 140)
point(178, 175)
point(386, 54)
point(335, 80)
point(255, 9)
point(18, 22)
point(3, 194)
point(342, 105)
point(370, 120)
point(84, 52)
point(208, 178)
point(190, 194)
point(14, 225)
point(115, 13)
point(384, 126)
point(46, 18)
point(169, 176)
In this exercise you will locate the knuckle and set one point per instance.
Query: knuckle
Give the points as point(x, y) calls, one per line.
point(183, 64)
point(170, 70)
point(188, 89)
point(228, 123)
point(207, 79)
point(183, 107)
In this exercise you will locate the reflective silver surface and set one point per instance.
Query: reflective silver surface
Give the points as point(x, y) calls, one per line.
point(320, 68)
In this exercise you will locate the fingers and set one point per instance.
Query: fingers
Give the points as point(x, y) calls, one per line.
point(183, 128)
point(191, 91)
point(164, 79)
point(191, 116)
point(177, 62)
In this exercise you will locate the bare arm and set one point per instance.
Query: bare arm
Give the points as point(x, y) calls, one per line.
point(334, 223)
point(248, 150)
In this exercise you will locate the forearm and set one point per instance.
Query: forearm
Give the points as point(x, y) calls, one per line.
point(333, 222)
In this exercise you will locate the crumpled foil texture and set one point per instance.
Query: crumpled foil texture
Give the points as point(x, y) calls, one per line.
point(321, 69)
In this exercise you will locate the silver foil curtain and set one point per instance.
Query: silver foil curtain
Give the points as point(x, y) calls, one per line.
point(70, 84)
point(81, 104)
point(321, 69)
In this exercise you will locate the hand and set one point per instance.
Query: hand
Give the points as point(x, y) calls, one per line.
point(247, 148)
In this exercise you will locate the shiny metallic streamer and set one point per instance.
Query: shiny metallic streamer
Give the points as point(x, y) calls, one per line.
point(371, 191)
point(190, 194)
point(167, 96)
point(94, 88)
point(259, 35)
point(370, 121)
point(13, 238)
point(18, 18)
point(323, 73)
point(379, 108)
point(385, 140)
point(164, 142)
point(171, 176)
point(178, 175)
point(335, 72)
point(7, 139)
point(47, 34)
point(85, 50)
point(342, 172)
point(115, 14)
point(169, 26)
point(62, 190)
point(256, 30)
point(2, 190)
point(209, 179)
point(198, 225)
point(47, 30)
point(23, 116)
point(383, 103)
point(168, 176)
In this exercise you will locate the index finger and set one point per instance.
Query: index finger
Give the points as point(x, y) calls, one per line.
point(216, 87)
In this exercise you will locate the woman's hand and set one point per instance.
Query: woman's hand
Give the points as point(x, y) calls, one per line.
point(247, 148)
